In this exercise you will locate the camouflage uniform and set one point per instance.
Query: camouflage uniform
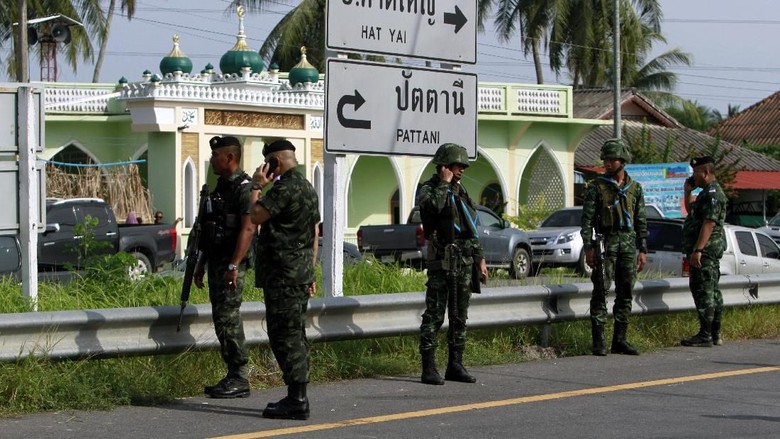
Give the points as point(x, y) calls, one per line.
point(710, 204)
point(218, 249)
point(434, 194)
point(618, 213)
point(448, 217)
point(285, 254)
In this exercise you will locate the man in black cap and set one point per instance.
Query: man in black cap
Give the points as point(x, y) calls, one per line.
point(286, 254)
point(703, 244)
point(227, 236)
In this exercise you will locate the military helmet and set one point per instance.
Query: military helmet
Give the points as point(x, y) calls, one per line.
point(450, 153)
point(615, 149)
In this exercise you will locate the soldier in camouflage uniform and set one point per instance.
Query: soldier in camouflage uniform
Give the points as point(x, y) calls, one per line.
point(447, 211)
point(704, 243)
point(614, 207)
point(286, 254)
point(227, 237)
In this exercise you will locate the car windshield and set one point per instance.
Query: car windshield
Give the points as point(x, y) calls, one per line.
point(564, 218)
point(775, 221)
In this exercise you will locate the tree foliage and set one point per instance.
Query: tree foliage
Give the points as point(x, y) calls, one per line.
point(88, 12)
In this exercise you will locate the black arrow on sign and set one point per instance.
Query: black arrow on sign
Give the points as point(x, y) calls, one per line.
point(458, 19)
point(358, 101)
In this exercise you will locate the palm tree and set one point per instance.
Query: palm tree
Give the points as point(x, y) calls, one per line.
point(692, 115)
point(127, 6)
point(87, 12)
point(580, 37)
point(533, 19)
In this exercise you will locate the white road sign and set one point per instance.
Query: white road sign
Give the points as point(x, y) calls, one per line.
point(389, 109)
point(443, 30)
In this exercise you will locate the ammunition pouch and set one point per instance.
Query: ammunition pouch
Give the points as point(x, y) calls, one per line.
point(213, 235)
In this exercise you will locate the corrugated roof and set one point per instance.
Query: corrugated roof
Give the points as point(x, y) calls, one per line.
point(758, 124)
point(686, 141)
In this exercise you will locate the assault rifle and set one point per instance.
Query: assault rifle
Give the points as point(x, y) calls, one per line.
point(600, 247)
point(192, 254)
point(452, 256)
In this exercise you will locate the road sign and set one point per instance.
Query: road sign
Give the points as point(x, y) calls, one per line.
point(389, 109)
point(415, 28)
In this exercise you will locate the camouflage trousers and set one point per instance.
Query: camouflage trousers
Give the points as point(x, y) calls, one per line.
point(704, 288)
point(436, 299)
point(285, 309)
point(228, 325)
point(620, 266)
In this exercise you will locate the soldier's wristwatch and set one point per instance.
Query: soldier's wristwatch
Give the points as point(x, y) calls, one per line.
point(232, 267)
point(698, 250)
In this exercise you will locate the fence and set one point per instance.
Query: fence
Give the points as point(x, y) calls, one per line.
point(152, 330)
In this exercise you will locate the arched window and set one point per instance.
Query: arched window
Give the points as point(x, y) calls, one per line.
point(542, 185)
point(74, 155)
point(318, 186)
point(190, 199)
point(492, 197)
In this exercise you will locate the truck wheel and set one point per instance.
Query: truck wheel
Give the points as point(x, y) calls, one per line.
point(141, 268)
point(582, 267)
point(521, 264)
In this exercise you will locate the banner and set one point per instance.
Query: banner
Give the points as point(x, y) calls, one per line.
point(663, 185)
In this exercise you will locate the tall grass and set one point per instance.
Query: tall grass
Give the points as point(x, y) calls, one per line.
point(36, 384)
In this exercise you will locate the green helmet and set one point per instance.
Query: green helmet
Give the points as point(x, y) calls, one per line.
point(615, 149)
point(450, 153)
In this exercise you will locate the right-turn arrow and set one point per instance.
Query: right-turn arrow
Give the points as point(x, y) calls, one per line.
point(457, 18)
point(358, 101)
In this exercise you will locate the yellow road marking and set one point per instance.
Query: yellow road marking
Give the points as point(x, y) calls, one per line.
point(499, 403)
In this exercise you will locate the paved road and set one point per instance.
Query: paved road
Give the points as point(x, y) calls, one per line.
point(729, 391)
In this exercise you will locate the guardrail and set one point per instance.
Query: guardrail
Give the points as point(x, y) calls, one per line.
point(152, 330)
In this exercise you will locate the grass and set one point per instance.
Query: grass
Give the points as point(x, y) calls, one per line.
point(39, 385)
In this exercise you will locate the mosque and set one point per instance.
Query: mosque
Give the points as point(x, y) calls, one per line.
point(527, 135)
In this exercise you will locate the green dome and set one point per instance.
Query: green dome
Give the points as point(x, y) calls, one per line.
point(303, 71)
point(241, 55)
point(176, 61)
point(234, 60)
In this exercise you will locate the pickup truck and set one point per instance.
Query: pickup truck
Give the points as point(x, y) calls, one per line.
point(772, 228)
point(405, 244)
point(748, 251)
point(151, 244)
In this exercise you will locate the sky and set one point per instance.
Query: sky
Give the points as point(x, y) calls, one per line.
point(734, 45)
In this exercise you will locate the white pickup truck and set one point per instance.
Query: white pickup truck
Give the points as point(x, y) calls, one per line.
point(748, 251)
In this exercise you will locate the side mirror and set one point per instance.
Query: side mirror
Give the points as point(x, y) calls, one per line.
point(51, 227)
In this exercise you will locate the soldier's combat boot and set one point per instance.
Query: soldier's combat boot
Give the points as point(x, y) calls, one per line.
point(716, 338)
point(599, 344)
point(229, 387)
point(455, 370)
point(429, 373)
point(294, 406)
point(701, 340)
point(208, 389)
point(619, 343)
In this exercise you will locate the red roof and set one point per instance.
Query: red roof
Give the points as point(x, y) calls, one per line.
point(756, 180)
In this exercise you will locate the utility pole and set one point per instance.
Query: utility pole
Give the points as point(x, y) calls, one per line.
point(616, 69)
point(22, 67)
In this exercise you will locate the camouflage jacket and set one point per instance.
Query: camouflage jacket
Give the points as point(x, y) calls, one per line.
point(710, 204)
point(435, 196)
point(285, 248)
point(610, 209)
